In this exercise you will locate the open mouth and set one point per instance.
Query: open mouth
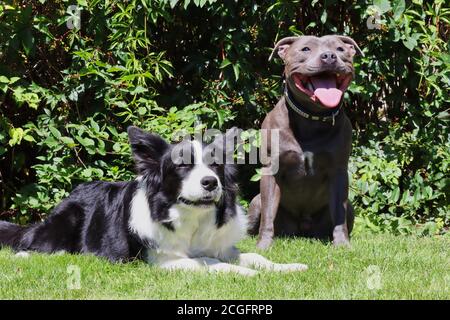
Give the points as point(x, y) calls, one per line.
point(326, 88)
point(197, 203)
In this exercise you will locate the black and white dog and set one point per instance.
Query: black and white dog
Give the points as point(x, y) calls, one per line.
point(177, 214)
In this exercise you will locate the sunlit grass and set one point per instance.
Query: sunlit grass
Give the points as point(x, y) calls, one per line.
point(375, 267)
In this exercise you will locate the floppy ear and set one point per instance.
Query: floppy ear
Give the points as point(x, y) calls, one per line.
point(282, 46)
point(349, 42)
point(147, 148)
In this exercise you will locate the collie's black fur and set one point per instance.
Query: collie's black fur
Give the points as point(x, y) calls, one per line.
point(95, 218)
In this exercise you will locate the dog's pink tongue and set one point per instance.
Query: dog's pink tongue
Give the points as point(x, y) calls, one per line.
point(326, 90)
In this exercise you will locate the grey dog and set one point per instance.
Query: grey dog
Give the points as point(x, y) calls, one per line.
point(308, 196)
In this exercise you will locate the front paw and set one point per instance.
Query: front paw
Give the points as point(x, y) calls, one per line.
point(22, 254)
point(341, 240)
point(230, 268)
point(264, 243)
point(290, 267)
point(247, 272)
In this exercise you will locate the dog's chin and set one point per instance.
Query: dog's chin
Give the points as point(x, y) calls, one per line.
point(205, 202)
point(324, 89)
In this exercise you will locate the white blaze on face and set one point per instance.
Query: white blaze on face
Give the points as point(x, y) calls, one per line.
point(191, 188)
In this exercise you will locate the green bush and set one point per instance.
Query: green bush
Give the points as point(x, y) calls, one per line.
point(67, 95)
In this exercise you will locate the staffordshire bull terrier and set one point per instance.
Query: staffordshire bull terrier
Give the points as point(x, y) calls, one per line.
point(308, 196)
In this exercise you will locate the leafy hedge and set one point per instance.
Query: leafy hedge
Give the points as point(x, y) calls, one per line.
point(67, 95)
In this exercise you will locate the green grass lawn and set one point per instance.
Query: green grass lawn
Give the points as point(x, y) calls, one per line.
point(376, 267)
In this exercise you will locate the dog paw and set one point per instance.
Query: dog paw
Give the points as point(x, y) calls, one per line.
point(341, 242)
point(264, 243)
point(290, 267)
point(22, 254)
point(248, 272)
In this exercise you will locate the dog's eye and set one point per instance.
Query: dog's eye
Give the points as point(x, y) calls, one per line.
point(306, 49)
point(340, 49)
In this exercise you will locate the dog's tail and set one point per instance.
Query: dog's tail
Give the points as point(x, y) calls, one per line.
point(11, 234)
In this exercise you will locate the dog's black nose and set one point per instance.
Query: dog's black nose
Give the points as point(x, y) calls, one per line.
point(328, 57)
point(209, 183)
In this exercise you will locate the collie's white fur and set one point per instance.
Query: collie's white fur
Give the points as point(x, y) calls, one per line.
point(195, 235)
point(197, 242)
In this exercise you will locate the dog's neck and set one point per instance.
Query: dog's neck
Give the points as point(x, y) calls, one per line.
point(299, 113)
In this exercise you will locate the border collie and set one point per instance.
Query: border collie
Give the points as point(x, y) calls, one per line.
point(176, 214)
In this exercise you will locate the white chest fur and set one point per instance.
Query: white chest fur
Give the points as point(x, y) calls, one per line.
point(195, 234)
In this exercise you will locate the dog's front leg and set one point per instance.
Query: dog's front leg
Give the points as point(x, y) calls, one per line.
point(253, 260)
point(205, 263)
point(219, 266)
point(270, 200)
point(338, 207)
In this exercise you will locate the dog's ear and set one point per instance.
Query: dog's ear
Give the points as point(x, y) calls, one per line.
point(282, 46)
point(350, 43)
point(147, 148)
